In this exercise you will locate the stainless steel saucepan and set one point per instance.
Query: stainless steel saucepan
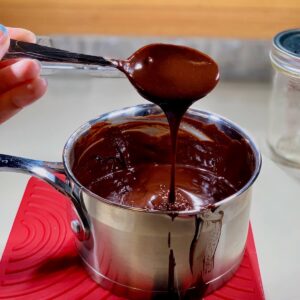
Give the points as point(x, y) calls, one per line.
point(147, 254)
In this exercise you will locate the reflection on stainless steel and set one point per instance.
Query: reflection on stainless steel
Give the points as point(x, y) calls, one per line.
point(142, 254)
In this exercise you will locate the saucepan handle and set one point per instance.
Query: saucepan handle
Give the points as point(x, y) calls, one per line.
point(46, 171)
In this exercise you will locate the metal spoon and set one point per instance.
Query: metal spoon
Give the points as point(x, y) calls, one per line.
point(159, 72)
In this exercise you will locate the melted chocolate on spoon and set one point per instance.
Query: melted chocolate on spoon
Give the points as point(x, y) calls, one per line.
point(172, 77)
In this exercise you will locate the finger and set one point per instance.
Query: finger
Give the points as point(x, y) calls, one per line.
point(21, 34)
point(4, 40)
point(15, 74)
point(14, 100)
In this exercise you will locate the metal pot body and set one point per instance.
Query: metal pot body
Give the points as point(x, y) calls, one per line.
point(140, 253)
point(152, 254)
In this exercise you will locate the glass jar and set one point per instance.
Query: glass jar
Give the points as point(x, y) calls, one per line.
point(284, 115)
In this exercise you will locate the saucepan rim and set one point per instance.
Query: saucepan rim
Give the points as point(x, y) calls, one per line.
point(147, 109)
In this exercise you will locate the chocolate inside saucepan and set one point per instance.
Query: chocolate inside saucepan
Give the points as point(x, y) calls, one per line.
point(128, 162)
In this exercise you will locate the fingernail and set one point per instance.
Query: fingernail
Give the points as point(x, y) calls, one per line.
point(3, 32)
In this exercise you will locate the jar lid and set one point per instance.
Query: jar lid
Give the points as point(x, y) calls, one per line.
point(285, 53)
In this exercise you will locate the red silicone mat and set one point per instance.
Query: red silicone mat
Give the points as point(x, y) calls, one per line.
point(40, 260)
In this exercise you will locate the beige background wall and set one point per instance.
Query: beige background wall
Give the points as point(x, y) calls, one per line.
point(217, 18)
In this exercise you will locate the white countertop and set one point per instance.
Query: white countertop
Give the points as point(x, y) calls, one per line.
point(41, 130)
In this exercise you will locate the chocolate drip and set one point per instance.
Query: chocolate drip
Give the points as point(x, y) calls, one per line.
point(194, 242)
point(173, 293)
point(171, 280)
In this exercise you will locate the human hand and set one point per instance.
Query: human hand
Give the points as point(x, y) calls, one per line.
point(20, 81)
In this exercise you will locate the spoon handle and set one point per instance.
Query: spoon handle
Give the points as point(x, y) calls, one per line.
point(20, 49)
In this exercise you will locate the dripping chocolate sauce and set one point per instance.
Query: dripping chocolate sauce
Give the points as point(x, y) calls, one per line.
point(171, 280)
point(194, 242)
point(173, 77)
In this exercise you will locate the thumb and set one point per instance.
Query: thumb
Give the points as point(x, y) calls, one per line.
point(4, 40)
